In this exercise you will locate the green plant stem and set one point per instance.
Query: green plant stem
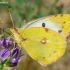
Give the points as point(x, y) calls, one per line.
point(1, 66)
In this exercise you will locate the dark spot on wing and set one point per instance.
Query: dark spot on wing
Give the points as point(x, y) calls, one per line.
point(43, 24)
point(54, 51)
point(62, 26)
point(60, 31)
point(46, 29)
point(61, 15)
point(43, 57)
point(24, 39)
point(64, 22)
point(68, 36)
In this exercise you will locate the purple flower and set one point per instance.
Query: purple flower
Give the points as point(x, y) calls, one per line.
point(15, 61)
point(4, 54)
point(16, 54)
point(5, 43)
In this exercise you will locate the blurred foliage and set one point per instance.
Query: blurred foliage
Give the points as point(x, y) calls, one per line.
point(26, 10)
point(29, 9)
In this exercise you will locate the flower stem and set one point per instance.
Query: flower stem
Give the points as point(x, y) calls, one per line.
point(2, 64)
point(1, 67)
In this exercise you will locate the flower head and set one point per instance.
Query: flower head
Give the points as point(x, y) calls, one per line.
point(15, 61)
point(13, 53)
point(5, 43)
point(4, 54)
point(16, 54)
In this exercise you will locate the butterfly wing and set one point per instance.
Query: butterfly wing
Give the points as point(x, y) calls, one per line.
point(42, 44)
point(62, 21)
point(59, 23)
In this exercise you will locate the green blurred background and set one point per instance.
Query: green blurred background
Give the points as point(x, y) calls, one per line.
point(26, 10)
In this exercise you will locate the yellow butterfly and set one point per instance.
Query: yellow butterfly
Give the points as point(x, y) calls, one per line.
point(42, 44)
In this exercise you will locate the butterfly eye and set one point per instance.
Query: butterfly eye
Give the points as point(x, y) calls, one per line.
point(43, 24)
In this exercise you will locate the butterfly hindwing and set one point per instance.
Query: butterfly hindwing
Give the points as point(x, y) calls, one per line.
point(42, 44)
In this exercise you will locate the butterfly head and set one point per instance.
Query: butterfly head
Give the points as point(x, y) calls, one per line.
point(16, 32)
